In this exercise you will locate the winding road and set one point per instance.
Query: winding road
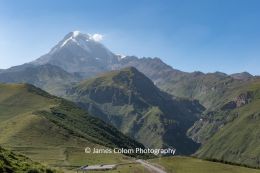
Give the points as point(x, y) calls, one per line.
point(151, 167)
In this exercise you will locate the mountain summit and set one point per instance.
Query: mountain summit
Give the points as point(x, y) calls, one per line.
point(78, 38)
point(84, 55)
point(79, 53)
point(242, 76)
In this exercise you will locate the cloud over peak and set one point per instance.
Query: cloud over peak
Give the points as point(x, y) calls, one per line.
point(97, 37)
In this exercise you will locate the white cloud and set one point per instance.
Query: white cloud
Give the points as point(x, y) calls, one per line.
point(97, 37)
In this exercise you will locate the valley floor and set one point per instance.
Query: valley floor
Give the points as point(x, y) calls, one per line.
point(176, 165)
point(193, 165)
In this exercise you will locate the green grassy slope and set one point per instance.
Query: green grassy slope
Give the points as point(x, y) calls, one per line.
point(14, 163)
point(207, 88)
point(237, 128)
point(132, 103)
point(54, 131)
point(192, 165)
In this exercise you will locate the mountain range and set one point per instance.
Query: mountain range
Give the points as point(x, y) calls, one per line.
point(211, 115)
point(130, 101)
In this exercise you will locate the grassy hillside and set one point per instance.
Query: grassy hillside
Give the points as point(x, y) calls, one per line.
point(226, 133)
point(235, 128)
point(192, 165)
point(132, 103)
point(207, 88)
point(54, 131)
point(14, 163)
point(223, 129)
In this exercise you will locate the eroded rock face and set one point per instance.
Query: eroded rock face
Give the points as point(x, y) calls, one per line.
point(241, 100)
point(229, 106)
point(208, 125)
point(244, 99)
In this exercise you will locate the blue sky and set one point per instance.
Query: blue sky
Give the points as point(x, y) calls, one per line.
point(190, 35)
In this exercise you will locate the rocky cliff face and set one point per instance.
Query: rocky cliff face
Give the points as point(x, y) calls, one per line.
point(241, 100)
point(244, 99)
point(211, 122)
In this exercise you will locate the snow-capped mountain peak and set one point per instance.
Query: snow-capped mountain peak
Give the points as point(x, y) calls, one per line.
point(80, 39)
point(79, 52)
point(76, 33)
point(120, 56)
point(75, 37)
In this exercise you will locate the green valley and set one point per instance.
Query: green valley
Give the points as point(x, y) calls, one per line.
point(193, 165)
point(131, 102)
point(54, 131)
